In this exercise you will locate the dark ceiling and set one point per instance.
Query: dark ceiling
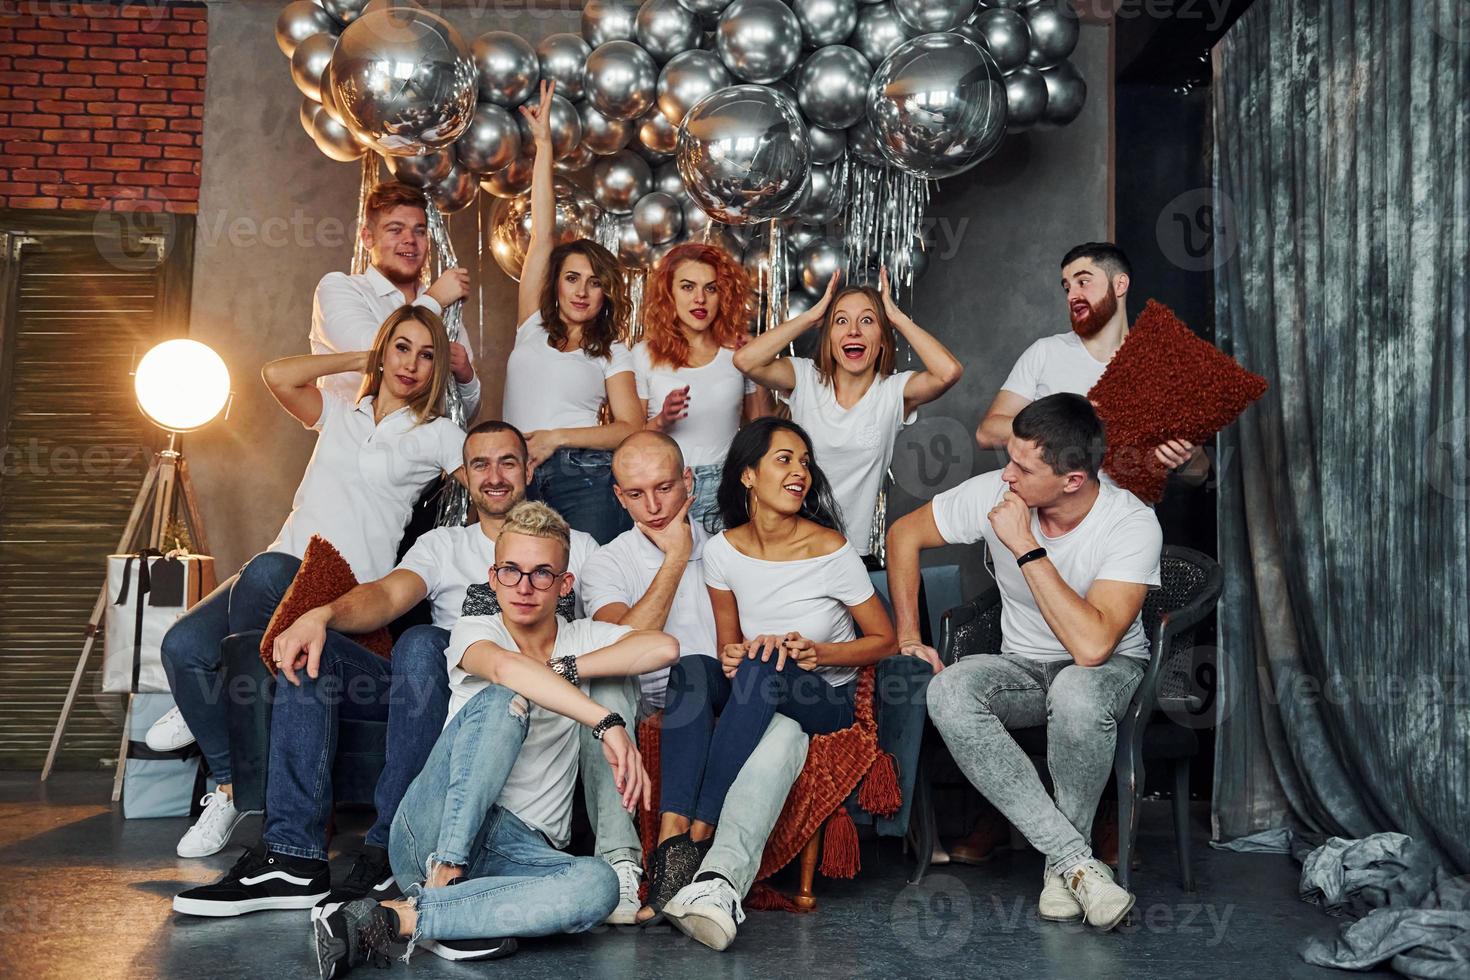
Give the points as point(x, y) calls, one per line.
point(1166, 42)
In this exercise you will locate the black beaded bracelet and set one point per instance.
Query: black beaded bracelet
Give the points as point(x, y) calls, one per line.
point(566, 667)
point(613, 720)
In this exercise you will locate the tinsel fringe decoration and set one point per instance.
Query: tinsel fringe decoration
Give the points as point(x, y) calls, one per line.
point(885, 209)
point(367, 185)
point(454, 500)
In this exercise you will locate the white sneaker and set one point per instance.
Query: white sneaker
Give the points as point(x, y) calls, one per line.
point(211, 832)
point(169, 733)
point(708, 911)
point(1103, 901)
point(1057, 902)
point(630, 876)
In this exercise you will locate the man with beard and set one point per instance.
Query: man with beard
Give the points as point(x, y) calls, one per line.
point(1095, 280)
point(328, 677)
point(347, 310)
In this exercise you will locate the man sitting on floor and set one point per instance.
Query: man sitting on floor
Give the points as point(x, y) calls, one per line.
point(652, 577)
point(477, 840)
point(1073, 559)
point(329, 677)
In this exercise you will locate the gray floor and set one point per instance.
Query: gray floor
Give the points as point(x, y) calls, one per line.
point(84, 894)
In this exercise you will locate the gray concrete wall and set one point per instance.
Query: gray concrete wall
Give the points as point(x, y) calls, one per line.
point(275, 215)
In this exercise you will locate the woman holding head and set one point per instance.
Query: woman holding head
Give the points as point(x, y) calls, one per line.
point(697, 313)
point(849, 399)
point(567, 359)
point(796, 615)
point(373, 458)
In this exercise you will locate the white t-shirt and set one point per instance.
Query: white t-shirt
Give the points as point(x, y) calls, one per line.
point(853, 446)
point(362, 480)
point(1054, 364)
point(717, 393)
point(550, 389)
point(622, 571)
point(808, 595)
point(539, 788)
point(451, 559)
point(1119, 540)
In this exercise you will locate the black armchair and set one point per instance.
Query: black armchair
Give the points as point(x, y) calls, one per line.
point(1191, 587)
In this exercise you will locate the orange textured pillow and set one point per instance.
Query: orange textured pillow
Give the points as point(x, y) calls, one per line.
point(324, 575)
point(1165, 383)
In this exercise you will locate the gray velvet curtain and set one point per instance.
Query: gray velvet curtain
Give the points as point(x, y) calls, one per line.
point(1343, 188)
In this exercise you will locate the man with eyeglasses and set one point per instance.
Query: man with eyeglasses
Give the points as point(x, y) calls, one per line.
point(328, 677)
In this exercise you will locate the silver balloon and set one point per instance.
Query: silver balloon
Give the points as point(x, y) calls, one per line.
point(824, 195)
point(621, 79)
point(632, 249)
point(934, 16)
point(666, 178)
point(562, 59)
point(405, 81)
point(832, 86)
point(309, 61)
point(566, 127)
point(878, 31)
point(344, 11)
point(513, 181)
point(827, 145)
point(454, 191)
point(862, 142)
point(609, 20)
point(817, 262)
point(1004, 34)
point(1025, 98)
point(695, 218)
point(420, 171)
point(330, 105)
point(300, 20)
point(579, 159)
point(657, 133)
point(653, 157)
point(508, 66)
point(601, 135)
point(1066, 93)
point(335, 139)
point(798, 301)
point(759, 40)
point(688, 78)
point(309, 109)
point(1054, 32)
point(666, 28)
point(510, 224)
point(492, 141)
point(705, 8)
point(743, 153)
point(825, 22)
point(801, 235)
point(938, 105)
point(620, 180)
point(658, 217)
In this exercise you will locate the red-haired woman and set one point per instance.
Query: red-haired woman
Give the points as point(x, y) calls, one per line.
point(696, 313)
point(567, 359)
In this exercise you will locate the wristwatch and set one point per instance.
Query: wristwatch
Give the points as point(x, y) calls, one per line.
point(613, 720)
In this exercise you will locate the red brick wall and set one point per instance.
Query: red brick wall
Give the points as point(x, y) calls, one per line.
point(101, 105)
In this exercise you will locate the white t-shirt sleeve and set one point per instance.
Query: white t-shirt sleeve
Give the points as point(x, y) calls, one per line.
point(334, 407)
point(1132, 549)
point(468, 631)
point(716, 553)
point(642, 374)
point(603, 583)
point(619, 359)
point(962, 513)
point(805, 374)
point(429, 558)
point(592, 635)
point(449, 440)
point(1026, 374)
point(893, 397)
point(848, 579)
point(342, 318)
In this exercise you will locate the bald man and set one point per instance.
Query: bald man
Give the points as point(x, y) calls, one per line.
point(654, 574)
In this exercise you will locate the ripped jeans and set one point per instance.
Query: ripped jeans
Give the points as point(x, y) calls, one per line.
point(515, 883)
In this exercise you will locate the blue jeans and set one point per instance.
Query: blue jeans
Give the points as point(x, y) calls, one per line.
point(516, 883)
point(705, 510)
point(411, 693)
point(191, 649)
point(578, 484)
point(701, 756)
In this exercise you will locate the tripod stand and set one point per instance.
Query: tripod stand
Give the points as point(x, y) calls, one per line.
point(167, 479)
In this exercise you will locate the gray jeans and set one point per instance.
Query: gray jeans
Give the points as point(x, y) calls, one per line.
point(752, 806)
point(974, 702)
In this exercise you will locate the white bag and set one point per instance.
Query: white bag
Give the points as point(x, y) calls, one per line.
point(157, 787)
point(135, 620)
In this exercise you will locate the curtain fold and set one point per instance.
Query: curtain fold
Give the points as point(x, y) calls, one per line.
point(1343, 179)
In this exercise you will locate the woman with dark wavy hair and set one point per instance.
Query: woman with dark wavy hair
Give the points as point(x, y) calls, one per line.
point(696, 314)
point(796, 615)
point(568, 359)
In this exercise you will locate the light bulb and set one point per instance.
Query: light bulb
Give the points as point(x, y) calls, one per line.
point(181, 385)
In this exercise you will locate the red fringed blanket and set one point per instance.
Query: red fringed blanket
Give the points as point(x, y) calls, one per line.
point(835, 764)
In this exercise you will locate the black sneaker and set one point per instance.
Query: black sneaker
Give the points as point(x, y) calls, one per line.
point(469, 950)
point(259, 880)
point(353, 934)
point(675, 863)
point(370, 877)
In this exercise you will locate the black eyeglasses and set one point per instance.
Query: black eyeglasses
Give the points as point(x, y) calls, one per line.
point(510, 576)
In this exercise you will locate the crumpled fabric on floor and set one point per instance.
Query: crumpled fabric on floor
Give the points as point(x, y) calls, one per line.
point(1276, 841)
point(1414, 915)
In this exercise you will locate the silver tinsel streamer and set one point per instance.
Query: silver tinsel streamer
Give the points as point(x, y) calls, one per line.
point(774, 276)
point(637, 279)
point(368, 185)
point(606, 233)
point(454, 500)
point(885, 211)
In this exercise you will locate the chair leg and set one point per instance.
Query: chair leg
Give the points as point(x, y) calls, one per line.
point(1181, 822)
point(1128, 767)
point(923, 824)
point(805, 899)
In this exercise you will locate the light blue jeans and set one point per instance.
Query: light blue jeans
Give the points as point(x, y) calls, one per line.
point(705, 510)
point(516, 883)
